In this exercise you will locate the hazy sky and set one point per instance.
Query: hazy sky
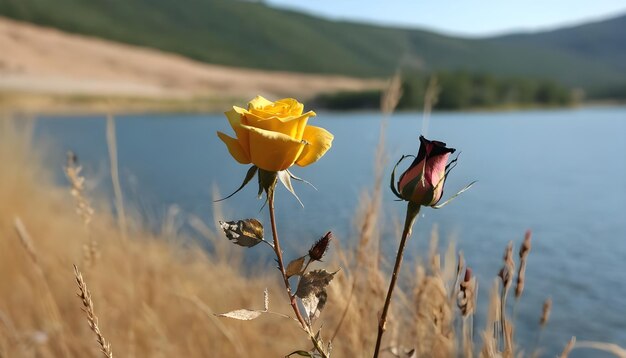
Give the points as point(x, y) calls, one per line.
point(464, 17)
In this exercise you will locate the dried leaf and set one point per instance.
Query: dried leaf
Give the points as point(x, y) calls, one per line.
point(300, 353)
point(295, 267)
point(312, 292)
point(242, 315)
point(247, 315)
point(247, 233)
point(314, 282)
point(314, 304)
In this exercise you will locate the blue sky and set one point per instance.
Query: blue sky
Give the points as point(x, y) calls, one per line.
point(463, 17)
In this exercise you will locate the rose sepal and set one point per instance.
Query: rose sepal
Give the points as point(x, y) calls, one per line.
point(269, 179)
point(392, 184)
point(300, 179)
point(285, 179)
point(249, 175)
point(439, 206)
point(267, 182)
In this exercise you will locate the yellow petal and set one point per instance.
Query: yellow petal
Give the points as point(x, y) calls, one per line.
point(259, 102)
point(272, 110)
point(272, 151)
point(286, 107)
point(319, 141)
point(291, 126)
point(294, 107)
point(302, 124)
point(235, 148)
point(236, 117)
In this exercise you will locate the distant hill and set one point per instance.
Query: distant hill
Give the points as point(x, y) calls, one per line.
point(247, 34)
point(601, 41)
point(44, 69)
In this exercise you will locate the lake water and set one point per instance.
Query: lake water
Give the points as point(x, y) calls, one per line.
point(561, 173)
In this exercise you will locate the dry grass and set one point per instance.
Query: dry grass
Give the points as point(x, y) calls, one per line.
point(92, 319)
point(156, 296)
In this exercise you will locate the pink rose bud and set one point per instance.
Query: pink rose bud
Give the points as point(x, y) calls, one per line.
point(423, 182)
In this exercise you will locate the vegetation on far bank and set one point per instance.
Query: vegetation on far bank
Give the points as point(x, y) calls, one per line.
point(461, 91)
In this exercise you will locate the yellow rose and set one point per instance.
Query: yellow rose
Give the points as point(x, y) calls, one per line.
point(275, 135)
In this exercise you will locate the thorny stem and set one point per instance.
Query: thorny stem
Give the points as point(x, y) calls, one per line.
point(411, 214)
point(281, 267)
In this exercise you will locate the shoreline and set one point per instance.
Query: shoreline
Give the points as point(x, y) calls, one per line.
point(16, 104)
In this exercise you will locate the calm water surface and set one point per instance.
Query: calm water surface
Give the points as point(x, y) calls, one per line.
point(561, 173)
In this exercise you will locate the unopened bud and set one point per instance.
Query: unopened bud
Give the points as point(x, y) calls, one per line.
point(422, 183)
point(320, 247)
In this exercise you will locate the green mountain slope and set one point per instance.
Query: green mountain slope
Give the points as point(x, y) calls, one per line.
point(247, 34)
point(600, 41)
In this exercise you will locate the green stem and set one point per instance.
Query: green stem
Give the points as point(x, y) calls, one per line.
point(411, 214)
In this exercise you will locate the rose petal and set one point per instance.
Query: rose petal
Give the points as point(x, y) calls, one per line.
point(291, 126)
point(319, 140)
point(236, 117)
point(294, 107)
point(436, 168)
point(235, 148)
point(283, 108)
point(414, 172)
point(272, 151)
point(259, 102)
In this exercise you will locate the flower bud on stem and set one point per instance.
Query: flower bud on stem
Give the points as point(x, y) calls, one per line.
point(317, 251)
point(411, 214)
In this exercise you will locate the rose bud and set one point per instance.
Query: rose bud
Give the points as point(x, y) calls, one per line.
point(422, 183)
point(318, 249)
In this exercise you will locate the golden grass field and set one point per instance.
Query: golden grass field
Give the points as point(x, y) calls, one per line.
point(155, 295)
